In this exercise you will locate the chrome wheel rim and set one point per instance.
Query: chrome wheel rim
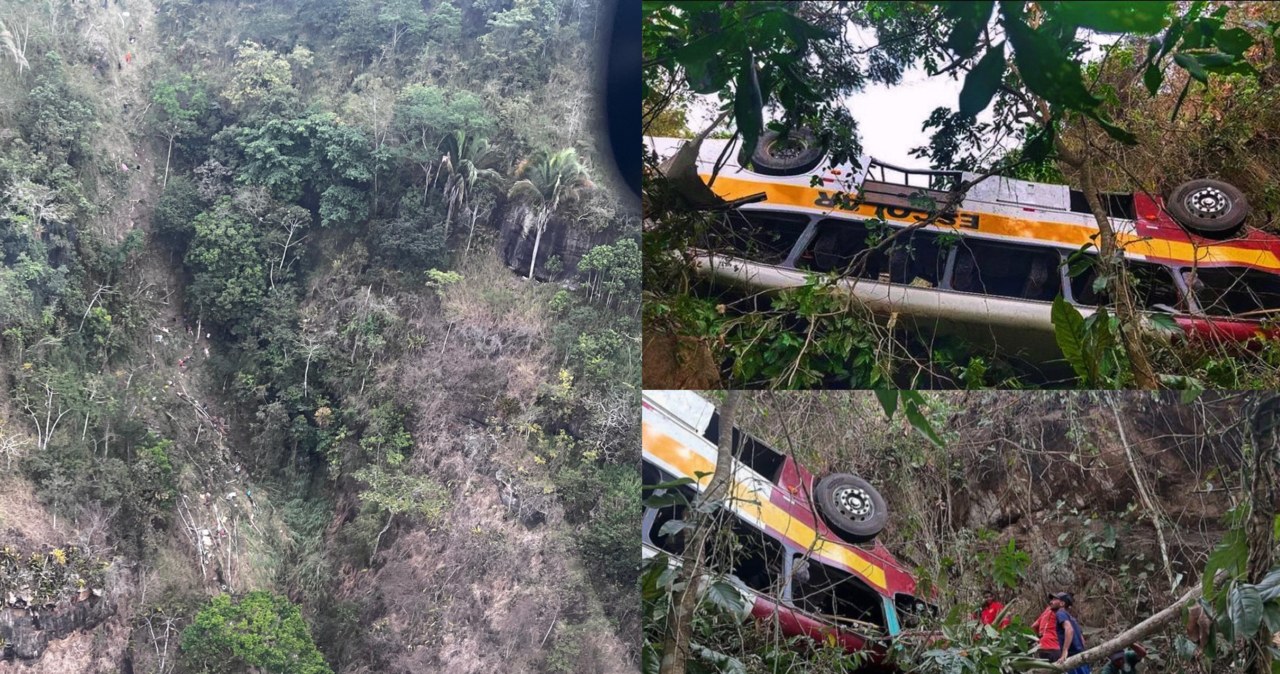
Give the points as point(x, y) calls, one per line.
point(854, 503)
point(1208, 202)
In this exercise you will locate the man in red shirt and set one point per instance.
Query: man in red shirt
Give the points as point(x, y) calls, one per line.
point(991, 608)
point(1047, 627)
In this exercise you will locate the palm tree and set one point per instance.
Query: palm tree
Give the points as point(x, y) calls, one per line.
point(547, 181)
point(462, 163)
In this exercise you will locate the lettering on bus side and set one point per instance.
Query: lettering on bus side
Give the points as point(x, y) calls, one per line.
point(967, 220)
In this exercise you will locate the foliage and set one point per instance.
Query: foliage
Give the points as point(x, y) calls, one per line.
point(257, 632)
point(228, 271)
point(262, 78)
point(176, 212)
point(56, 118)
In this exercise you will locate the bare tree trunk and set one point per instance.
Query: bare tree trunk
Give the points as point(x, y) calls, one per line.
point(472, 231)
point(537, 241)
point(1145, 494)
point(166, 164)
point(1109, 257)
point(675, 645)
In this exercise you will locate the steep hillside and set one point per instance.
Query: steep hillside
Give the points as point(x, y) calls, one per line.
point(271, 352)
point(1118, 498)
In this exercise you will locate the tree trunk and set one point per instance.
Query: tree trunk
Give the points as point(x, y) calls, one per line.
point(675, 645)
point(1110, 257)
point(166, 164)
point(537, 241)
point(472, 231)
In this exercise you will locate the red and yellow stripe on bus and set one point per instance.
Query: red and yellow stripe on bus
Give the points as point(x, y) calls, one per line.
point(688, 462)
point(1150, 242)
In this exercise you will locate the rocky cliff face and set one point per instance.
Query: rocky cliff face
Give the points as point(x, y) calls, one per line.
point(48, 594)
point(561, 241)
point(26, 633)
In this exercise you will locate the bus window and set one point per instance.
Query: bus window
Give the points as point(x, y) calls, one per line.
point(912, 611)
point(754, 557)
point(837, 596)
point(1006, 270)
point(914, 258)
point(1232, 291)
point(1153, 286)
point(671, 542)
point(755, 454)
point(837, 244)
point(761, 236)
point(1116, 205)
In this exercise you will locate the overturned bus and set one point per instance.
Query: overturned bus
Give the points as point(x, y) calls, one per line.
point(806, 555)
point(992, 264)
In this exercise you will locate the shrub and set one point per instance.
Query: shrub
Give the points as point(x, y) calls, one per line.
point(259, 632)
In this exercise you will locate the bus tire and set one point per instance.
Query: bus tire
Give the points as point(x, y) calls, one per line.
point(851, 506)
point(1209, 207)
point(799, 153)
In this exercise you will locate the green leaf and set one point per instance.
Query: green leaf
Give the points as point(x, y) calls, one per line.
point(1046, 68)
point(1229, 556)
point(1186, 648)
point(888, 400)
point(1068, 330)
point(1163, 323)
point(727, 596)
point(1233, 41)
point(1039, 145)
point(1153, 77)
point(1245, 609)
point(1141, 18)
point(671, 527)
point(1271, 616)
point(650, 659)
point(981, 83)
point(1116, 132)
point(922, 425)
point(1192, 67)
point(970, 18)
point(801, 30)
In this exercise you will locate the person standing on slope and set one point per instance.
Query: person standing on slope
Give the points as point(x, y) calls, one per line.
point(1070, 638)
point(991, 608)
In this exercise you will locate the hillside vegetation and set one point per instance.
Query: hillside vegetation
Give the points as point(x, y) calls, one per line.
point(1127, 500)
point(319, 337)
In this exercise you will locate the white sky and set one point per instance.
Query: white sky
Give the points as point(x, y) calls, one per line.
point(890, 117)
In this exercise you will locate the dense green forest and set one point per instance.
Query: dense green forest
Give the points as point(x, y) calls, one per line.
point(319, 338)
point(1103, 97)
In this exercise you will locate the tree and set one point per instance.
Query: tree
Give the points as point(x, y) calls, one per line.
point(228, 269)
point(462, 164)
point(180, 104)
point(613, 272)
point(547, 181)
point(262, 77)
point(258, 631)
point(425, 115)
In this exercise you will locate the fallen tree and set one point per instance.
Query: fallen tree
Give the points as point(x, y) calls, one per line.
point(1130, 636)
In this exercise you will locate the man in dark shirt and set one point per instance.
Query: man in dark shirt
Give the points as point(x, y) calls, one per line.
point(1070, 639)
